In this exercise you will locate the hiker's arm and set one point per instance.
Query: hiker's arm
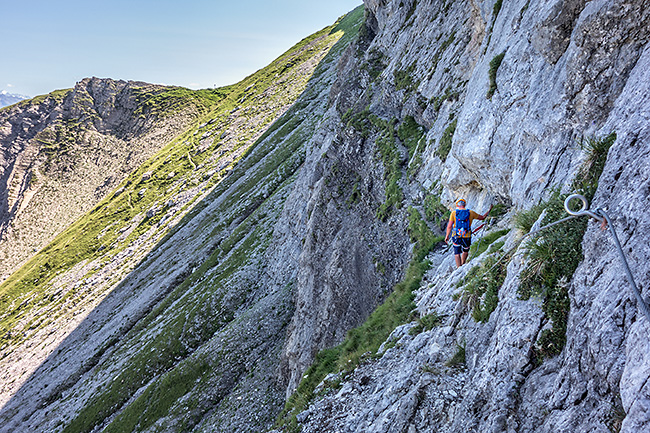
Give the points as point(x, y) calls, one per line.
point(450, 224)
point(482, 217)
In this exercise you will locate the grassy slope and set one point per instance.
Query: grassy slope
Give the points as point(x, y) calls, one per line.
point(173, 172)
point(270, 162)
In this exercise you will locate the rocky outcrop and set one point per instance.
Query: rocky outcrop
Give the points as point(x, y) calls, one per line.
point(63, 152)
point(570, 69)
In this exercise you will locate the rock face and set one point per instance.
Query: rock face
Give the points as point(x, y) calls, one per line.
point(204, 286)
point(570, 68)
point(183, 250)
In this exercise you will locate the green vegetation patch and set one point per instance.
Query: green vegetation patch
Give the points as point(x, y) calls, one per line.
point(411, 134)
point(404, 79)
point(375, 64)
point(359, 121)
point(444, 146)
point(449, 95)
point(365, 340)
point(496, 8)
point(434, 210)
point(392, 160)
point(498, 211)
point(525, 219)
point(481, 286)
point(495, 63)
point(169, 100)
point(481, 243)
point(554, 255)
point(458, 358)
point(426, 323)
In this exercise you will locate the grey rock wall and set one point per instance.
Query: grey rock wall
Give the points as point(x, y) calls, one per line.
point(570, 69)
point(324, 260)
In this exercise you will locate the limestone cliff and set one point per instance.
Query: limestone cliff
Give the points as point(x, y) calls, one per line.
point(518, 85)
point(283, 248)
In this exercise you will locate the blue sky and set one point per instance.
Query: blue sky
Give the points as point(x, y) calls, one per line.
point(49, 45)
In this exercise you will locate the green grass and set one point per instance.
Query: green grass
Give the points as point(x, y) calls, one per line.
point(434, 210)
point(404, 79)
point(481, 286)
point(376, 64)
point(444, 146)
point(498, 211)
point(411, 133)
point(525, 219)
point(496, 8)
point(554, 255)
point(458, 358)
point(426, 323)
point(551, 260)
point(495, 63)
point(481, 243)
point(169, 100)
point(359, 121)
point(392, 160)
point(449, 95)
point(366, 339)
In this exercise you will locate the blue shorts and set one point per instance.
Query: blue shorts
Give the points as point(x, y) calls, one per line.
point(461, 245)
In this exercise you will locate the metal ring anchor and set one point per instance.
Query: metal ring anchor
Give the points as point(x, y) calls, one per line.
point(584, 210)
point(602, 216)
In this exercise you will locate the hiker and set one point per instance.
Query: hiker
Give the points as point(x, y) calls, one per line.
point(460, 221)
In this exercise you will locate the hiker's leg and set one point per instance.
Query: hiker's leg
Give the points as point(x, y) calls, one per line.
point(465, 244)
point(458, 250)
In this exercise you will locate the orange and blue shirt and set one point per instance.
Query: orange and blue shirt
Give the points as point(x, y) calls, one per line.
point(472, 216)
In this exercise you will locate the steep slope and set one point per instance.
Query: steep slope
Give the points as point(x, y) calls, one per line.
point(506, 93)
point(162, 306)
point(267, 287)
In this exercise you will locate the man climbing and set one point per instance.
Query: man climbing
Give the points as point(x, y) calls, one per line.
point(460, 221)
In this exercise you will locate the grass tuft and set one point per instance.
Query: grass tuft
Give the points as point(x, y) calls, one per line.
point(458, 359)
point(495, 63)
point(554, 255)
point(445, 141)
point(426, 323)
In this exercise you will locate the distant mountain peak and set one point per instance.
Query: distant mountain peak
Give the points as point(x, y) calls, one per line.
point(7, 98)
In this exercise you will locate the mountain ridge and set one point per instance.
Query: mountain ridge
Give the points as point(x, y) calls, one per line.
point(280, 84)
point(310, 273)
